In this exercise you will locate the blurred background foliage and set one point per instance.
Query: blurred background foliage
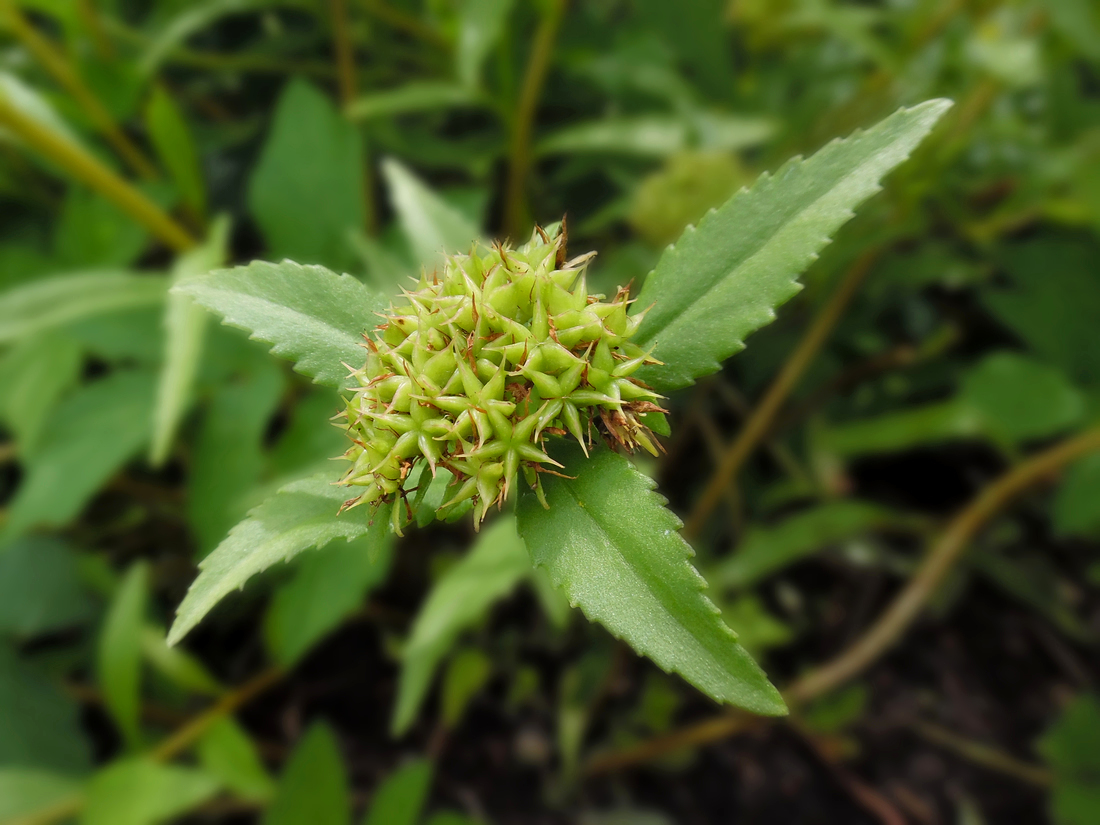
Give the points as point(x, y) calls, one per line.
point(947, 334)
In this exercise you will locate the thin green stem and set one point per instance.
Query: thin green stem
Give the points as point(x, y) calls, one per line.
point(984, 755)
point(88, 169)
point(62, 71)
point(519, 157)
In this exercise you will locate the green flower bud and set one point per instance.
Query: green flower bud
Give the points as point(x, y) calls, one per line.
point(474, 369)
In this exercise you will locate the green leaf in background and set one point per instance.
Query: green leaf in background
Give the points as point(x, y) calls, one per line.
point(463, 594)
point(400, 799)
point(175, 147)
point(227, 753)
point(431, 225)
point(310, 437)
point(24, 792)
point(415, 96)
point(765, 551)
point(723, 280)
point(67, 472)
point(1007, 397)
point(466, 674)
point(1019, 398)
point(1053, 302)
point(308, 314)
point(184, 332)
point(300, 516)
point(306, 190)
point(657, 136)
point(54, 302)
point(1069, 747)
point(228, 453)
point(93, 232)
point(118, 662)
point(40, 588)
point(176, 665)
point(1076, 512)
point(140, 792)
point(480, 26)
point(610, 543)
point(35, 374)
point(31, 103)
point(327, 587)
point(39, 725)
point(313, 789)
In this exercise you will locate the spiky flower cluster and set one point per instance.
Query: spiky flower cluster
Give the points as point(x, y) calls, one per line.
point(477, 366)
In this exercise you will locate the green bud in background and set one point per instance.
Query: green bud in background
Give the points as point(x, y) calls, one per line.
point(473, 370)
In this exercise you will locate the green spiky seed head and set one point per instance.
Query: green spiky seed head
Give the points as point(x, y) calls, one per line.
point(478, 366)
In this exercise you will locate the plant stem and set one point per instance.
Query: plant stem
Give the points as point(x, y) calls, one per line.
point(892, 623)
point(55, 63)
point(756, 426)
point(401, 21)
point(984, 755)
point(193, 730)
point(345, 54)
point(519, 159)
point(85, 167)
point(905, 608)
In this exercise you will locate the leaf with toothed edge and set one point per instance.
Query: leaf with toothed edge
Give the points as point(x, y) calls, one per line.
point(303, 514)
point(308, 314)
point(609, 542)
point(721, 281)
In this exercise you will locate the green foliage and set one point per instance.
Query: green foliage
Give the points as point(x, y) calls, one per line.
point(1075, 511)
point(306, 190)
point(140, 792)
point(40, 589)
point(23, 791)
point(327, 587)
point(119, 659)
point(184, 333)
point(55, 302)
point(227, 754)
point(39, 725)
point(765, 551)
point(175, 146)
point(609, 543)
point(313, 789)
point(307, 313)
point(35, 375)
point(723, 280)
point(1069, 747)
point(491, 569)
point(400, 799)
point(65, 473)
point(301, 515)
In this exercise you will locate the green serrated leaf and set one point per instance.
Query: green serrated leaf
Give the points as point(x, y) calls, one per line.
point(400, 798)
point(53, 302)
point(185, 331)
point(308, 314)
point(301, 515)
point(313, 789)
point(487, 573)
point(723, 280)
point(609, 542)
